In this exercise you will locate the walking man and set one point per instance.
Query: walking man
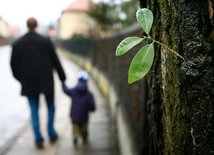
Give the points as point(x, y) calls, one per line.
point(32, 62)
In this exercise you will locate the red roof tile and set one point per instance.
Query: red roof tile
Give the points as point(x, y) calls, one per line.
point(79, 5)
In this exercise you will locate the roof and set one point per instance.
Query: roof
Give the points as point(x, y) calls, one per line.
point(79, 5)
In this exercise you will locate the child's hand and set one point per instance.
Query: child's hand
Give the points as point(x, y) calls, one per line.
point(65, 88)
point(63, 84)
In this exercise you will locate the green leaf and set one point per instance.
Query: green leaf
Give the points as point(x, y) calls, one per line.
point(145, 18)
point(126, 44)
point(141, 63)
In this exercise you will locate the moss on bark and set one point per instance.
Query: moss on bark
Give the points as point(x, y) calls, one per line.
point(181, 95)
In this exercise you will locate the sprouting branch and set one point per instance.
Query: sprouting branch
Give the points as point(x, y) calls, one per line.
point(143, 60)
point(174, 52)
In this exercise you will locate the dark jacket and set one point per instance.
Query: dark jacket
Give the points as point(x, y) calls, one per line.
point(82, 102)
point(32, 62)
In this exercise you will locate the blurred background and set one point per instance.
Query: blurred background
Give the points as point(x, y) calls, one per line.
point(57, 18)
point(75, 26)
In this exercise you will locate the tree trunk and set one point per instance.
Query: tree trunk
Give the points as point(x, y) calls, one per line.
point(181, 94)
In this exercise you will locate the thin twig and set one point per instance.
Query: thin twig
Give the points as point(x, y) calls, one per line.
point(144, 37)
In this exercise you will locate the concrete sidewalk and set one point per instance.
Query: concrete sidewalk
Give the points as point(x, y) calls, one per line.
point(99, 126)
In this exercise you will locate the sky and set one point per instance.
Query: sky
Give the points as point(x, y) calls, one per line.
point(16, 12)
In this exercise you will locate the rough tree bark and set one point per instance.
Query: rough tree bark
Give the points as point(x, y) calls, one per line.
point(181, 94)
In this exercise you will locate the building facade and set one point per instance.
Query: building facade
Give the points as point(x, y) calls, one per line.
point(74, 20)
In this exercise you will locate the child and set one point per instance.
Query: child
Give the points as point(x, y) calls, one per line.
point(82, 103)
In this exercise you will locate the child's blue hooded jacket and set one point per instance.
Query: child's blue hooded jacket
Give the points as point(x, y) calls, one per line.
point(82, 101)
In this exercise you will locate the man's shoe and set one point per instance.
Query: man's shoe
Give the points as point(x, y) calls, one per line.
point(53, 140)
point(40, 145)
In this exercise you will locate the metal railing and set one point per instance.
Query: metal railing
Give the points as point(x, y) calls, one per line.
point(133, 98)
